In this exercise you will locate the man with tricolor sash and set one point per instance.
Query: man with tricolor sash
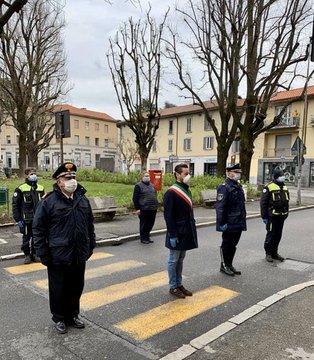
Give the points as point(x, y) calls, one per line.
point(181, 230)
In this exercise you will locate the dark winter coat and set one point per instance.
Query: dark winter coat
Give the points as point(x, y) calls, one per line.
point(179, 219)
point(63, 228)
point(230, 206)
point(25, 200)
point(275, 200)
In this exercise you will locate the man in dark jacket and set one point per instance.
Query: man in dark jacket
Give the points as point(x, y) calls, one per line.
point(230, 217)
point(24, 203)
point(181, 230)
point(146, 205)
point(64, 239)
point(274, 211)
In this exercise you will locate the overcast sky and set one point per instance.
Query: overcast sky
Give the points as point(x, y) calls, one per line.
point(90, 23)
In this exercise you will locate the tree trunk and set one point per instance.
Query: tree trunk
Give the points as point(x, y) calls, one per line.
point(222, 156)
point(246, 154)
point(22, 155)
point(143, 152)
point(32, 159)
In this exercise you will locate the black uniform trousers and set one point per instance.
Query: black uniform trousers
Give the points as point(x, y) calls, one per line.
point(273, 235)
point(147, 221)
point(229, 246)
point(27, 240)
point(66, 283)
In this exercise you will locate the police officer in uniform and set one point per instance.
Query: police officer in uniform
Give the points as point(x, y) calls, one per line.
point(146, 205)
point(274, 211)
point(64, 239)
point(230, 217)
point(24, 203)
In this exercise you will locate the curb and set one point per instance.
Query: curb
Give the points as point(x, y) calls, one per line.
point(205, 339)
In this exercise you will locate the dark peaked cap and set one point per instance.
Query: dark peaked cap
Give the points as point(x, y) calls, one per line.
point(65, 169)
point(233, 167)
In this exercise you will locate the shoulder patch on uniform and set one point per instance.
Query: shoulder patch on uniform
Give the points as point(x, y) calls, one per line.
point(15, 194)
point(264, 190)
point(220, 196)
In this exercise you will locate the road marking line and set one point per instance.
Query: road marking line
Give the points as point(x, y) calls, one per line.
point(95, 299)
point(163, 317)
point(98, 271)
point(2, 241)
point(23, 269)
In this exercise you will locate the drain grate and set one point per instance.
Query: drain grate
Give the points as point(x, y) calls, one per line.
point(292, 264)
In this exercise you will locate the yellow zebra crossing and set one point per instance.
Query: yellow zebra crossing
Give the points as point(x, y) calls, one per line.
point(143, 325)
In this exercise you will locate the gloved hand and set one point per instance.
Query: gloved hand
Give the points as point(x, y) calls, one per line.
point(265, 221)
point(45, 260)
point(223, 227)
point(21, 225)
point(173, 242)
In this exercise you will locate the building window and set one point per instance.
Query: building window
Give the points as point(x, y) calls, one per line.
point(170, 145)
point(8, 139)
point(187, 144)
point(154, 147)
point(96, 141)
point(170, 126)
point(106, 143)
point(86, 125)
point(235, 147)
point(88, 159)
point(76, 139)
point(208, 143)
point(286, 118)
point(76, 124)
point(96, 127)
point(207, 125)
point(86, 140)
point(188, 125)
point(106, 127)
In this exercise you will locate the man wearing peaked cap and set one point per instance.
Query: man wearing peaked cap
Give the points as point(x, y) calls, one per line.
point(236, 167)
point(230, 217)
point(66, 169)
point(64, 239)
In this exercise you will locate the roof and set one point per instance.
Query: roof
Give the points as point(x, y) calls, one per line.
point(292, 94)
point(187, 109)
point(83, 112)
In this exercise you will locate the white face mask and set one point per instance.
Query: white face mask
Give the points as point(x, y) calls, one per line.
point(32, 177)
point(70, 185)
point(146, 179)
point(186, 179)
point(237, 176)
point(281, 179)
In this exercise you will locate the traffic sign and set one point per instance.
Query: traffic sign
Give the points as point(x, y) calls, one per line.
point(296, 147)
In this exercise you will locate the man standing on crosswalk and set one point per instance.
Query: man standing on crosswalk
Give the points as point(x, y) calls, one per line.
point(64, 239)
point(181, 230)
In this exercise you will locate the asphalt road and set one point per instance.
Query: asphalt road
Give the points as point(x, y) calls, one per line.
point(126, 304)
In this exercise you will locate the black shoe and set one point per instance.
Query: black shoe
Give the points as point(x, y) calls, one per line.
point(278, 257)
point(269, 258)
point(145, 241)
point(77, 323)
point(226, 270)
point(234, 270)
point(27, 259)
point(150, 240)
point(61, 327)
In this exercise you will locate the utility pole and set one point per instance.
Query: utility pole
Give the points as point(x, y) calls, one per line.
point(302, 148)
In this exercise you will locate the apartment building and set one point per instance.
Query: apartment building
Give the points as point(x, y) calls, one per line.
point(184, 135)
point(92, 142)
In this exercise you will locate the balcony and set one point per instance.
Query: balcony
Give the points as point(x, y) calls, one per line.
point(291, 122)
point(282, 153)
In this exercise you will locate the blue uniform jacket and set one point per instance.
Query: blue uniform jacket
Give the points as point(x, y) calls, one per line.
point(230, 206)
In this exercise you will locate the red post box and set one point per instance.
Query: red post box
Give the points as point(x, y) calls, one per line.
point(156, 179)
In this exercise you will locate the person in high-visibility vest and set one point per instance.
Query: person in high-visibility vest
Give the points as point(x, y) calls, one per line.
point(24, 203)
point(274, 211)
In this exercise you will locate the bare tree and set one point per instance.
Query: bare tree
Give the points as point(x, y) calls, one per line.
point(33, 75)
point(250, 46)
point(128, 151)
point(135, 65)
point(8, 9)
